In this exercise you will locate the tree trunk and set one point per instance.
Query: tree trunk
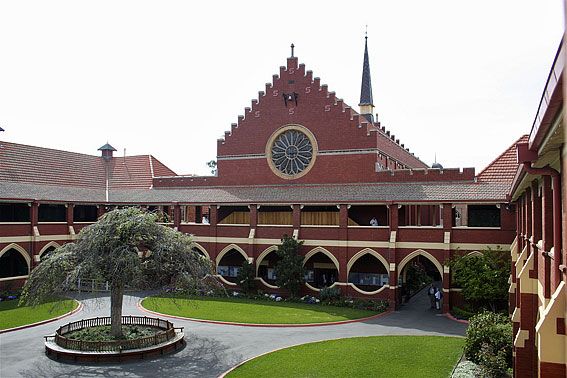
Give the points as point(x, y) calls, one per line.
point(116, 295)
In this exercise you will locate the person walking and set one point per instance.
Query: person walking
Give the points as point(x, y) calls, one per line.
point(431, 293)
point(438, 296)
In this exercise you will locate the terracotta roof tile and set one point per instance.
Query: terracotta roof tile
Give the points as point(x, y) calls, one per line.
point(503, 168)
point(46, 166)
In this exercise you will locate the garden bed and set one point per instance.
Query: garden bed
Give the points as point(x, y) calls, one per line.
point(102, 333)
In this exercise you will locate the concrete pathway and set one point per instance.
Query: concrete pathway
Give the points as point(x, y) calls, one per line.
point(211, 349)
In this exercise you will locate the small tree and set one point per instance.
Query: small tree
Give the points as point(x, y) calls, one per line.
point(110, 250)
point(246, 276)
point(483, 278)
point(289, 268)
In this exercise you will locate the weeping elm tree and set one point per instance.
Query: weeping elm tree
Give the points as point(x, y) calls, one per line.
point(125, 246)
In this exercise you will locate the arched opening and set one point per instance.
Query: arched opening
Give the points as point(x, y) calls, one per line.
point(46, 253)
point(13, 264)
point(321, 270)
point(200, 250)
point(418, 270)
point(46, 250)
point(266, 265)
point(230, 264)
point(368, 273)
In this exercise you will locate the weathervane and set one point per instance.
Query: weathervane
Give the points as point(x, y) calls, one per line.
point(292, 46)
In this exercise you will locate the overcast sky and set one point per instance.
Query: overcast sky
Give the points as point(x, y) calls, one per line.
point(460, 79)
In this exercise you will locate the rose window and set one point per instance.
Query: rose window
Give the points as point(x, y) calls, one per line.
point(292, 152)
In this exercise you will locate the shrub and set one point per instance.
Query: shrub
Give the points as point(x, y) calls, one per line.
point(246, 277)
point(372, 305)
point(330, 293)
point(465, 369)
point(461, 313)
point(493, 363)
point(487, 332)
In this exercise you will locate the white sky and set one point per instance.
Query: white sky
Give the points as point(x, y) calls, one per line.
point(461, 79)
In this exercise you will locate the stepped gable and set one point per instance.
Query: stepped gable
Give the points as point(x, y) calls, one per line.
point(318, 109)
point(39, 165)
point(349, 145)
point(503, 169)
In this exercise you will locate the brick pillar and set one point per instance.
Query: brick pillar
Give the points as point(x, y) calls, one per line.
point(213, 215)
point(69, 217)
point(447, 228)
point(213, 220)
point(525, 362)
point(176, 215)
point(547, 232)
point(393, 215)
point(342, 252)
point(253, 216)
point(34, 211)
point(99, 211)
point(251, 249)
point(528, 214)
point(296, 216)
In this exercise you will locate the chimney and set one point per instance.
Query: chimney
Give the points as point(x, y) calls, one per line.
point(106, 151)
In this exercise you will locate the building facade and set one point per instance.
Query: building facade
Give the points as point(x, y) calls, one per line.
point(299, 162)
point(538, 296)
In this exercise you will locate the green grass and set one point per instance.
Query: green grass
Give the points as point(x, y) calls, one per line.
point(13, 316)
point(377, 356)
point(251, 311)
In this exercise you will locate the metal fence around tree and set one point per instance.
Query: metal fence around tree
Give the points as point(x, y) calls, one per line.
point(166, 332)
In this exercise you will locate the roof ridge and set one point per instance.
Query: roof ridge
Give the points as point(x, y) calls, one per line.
point(48, 148)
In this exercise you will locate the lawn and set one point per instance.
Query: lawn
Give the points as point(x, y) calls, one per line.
point(13, 316)
point(376, 356)
point(251, 311)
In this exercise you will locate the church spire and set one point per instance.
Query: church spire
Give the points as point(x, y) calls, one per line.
point(366, 103)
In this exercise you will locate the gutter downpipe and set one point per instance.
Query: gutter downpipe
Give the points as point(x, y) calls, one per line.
point(556, 188)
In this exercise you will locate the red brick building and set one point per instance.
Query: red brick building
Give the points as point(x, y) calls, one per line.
point(538, 296)
point(299, 162)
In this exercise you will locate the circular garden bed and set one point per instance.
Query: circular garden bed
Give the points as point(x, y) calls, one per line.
point(90, 340)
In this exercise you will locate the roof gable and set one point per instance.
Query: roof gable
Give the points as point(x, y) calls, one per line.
point(504, 167)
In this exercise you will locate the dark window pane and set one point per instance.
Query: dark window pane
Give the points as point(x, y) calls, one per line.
point(14, 212)
point(52, 213)
point(483, 216)
point(84, 213)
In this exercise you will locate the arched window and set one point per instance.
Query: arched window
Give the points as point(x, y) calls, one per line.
point(13, 264)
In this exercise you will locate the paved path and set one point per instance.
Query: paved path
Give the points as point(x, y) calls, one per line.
point(211, 349)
